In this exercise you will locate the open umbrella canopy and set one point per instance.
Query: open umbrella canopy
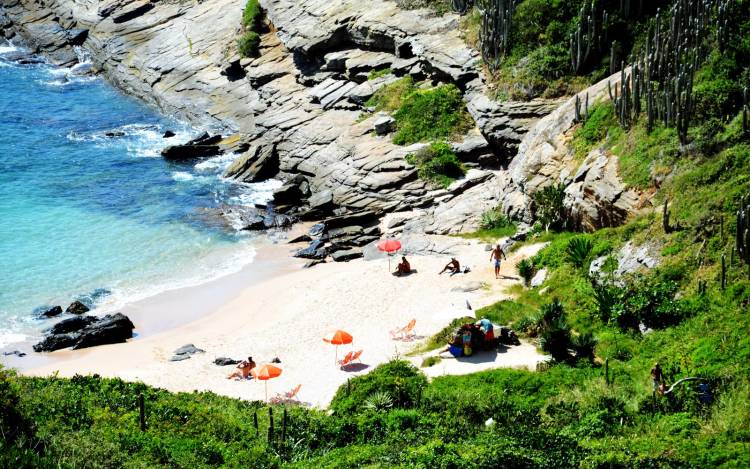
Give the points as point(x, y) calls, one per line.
point(338, 337)
point(265, 372)
point(389, 245)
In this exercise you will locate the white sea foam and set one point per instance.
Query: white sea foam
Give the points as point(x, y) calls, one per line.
point(257, 193)
point(9, 338)
point(182, 176)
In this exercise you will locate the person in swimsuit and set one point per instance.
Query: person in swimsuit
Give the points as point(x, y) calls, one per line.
point(453, 267)
point(404, 268)
point(243, 369)
point(496, 253)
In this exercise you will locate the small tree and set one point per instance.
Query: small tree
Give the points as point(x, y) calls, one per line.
point(526, 270)
point(549, 207)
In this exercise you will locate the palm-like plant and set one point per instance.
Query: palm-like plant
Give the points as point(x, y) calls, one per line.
point(584, 345)
point(551, 312)
point(578, 250)
point(379, 401)
point(526, 270)
point(555, 339)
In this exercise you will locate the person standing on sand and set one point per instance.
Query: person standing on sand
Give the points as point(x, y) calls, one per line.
point(496, 253)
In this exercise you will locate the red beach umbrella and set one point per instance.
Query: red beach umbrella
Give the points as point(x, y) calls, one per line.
point(338, 337)
point(389, 246)
point(264, 373)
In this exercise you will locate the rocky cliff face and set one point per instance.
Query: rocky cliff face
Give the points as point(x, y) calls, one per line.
point(299, 104)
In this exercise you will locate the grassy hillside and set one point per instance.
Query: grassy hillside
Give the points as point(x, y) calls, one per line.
point(592, 407)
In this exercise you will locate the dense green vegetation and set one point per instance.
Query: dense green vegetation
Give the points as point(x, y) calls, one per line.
point(423, 114)
point(252, 18)
point(437, 164)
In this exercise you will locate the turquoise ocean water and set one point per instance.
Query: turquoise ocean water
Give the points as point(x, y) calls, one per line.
point(97, 217)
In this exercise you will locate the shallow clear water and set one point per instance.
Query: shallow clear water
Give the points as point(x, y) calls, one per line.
point(84, 215)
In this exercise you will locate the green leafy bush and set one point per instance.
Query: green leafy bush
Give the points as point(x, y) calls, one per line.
point(375, 74)
point(431, 114)
point(401, 380)
point(493, 219)
point(391, 96)
point(248, 44)
point(549, 208)
point(579, 250)
point(555, 339)
point(252, 15)
point(437, 164)
point(526, 270)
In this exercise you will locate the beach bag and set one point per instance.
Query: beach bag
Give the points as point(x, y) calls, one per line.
point(467, 350)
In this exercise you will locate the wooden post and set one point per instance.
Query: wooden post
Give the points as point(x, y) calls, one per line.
point(270, 425)
point(283, 426)
point(142, 412)
point(606, 370)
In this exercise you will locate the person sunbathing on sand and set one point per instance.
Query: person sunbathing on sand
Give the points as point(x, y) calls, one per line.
point(243, 369)
point(403, 268)
point(453, 267)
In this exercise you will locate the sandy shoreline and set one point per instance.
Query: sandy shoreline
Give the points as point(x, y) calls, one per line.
point(287, 314)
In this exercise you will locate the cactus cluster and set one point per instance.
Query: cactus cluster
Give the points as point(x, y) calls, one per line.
point(462, 6)
point(495, 30)
point(662, 74)
point(578, 116)
point(742, 234)
point(590, 35)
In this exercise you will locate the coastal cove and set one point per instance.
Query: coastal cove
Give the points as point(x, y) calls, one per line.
point(90, 211)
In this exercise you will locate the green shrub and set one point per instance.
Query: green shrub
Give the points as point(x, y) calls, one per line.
point(375, 74)
point(391, 96)
point(526, 270)
point(401, 380)
point(437, 164)
point(555, 339)
point(248, 44)
point(584, 345)
point(431, 114)
point(493, 219)
point(579, 250)
point(548, 206)
point(252, 15)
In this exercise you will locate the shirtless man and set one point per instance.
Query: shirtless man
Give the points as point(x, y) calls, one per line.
point(453, 267)
point(243, 369)
point(404, 268)
point(496, 253)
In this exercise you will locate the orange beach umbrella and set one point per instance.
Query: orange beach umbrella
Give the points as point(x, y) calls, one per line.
point(338, 337)
point(389, 246)
point(264, 373)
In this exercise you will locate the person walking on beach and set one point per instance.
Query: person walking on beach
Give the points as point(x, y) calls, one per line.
point(496, 253)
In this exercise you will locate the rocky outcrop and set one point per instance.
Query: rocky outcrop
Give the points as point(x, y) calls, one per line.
point(595, 197)
point(86, 331)
point(77, 307)
point(630, 260)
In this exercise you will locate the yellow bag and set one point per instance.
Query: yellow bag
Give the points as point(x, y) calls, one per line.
point(467, 351)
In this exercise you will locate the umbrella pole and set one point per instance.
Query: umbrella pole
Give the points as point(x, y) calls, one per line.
point(389, 262)
point(266, 382)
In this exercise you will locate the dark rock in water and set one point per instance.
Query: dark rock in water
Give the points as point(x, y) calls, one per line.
point(256, 224)
point(188, 349)
point(17, 353)
point(53, 311)
point(202, 146)
point(288, 194)
point(314, 251)
point(168, 134)
point(277, 221)
point(93, 297)
point(82, 69)
point(117, 133)
point(72, 324)
point(77, 307)
point(188, 151)
point(111, 329)
point(276, 360)
point(313, 263)
point(23, 58)
point(300, 239)
point(86, 331)
point(346, 255)
point(205, 139)
point(57, 342)
point(224, 361)
point(133, 11)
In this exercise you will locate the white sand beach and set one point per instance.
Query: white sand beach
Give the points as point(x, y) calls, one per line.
point(287, 315)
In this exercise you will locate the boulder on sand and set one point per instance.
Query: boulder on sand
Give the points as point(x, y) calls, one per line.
point(86, 331)
point(77, 307)
point(224, 361)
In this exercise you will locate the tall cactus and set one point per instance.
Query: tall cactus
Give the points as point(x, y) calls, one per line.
point(495, 30)
point(742, 234)
point(462, 6)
